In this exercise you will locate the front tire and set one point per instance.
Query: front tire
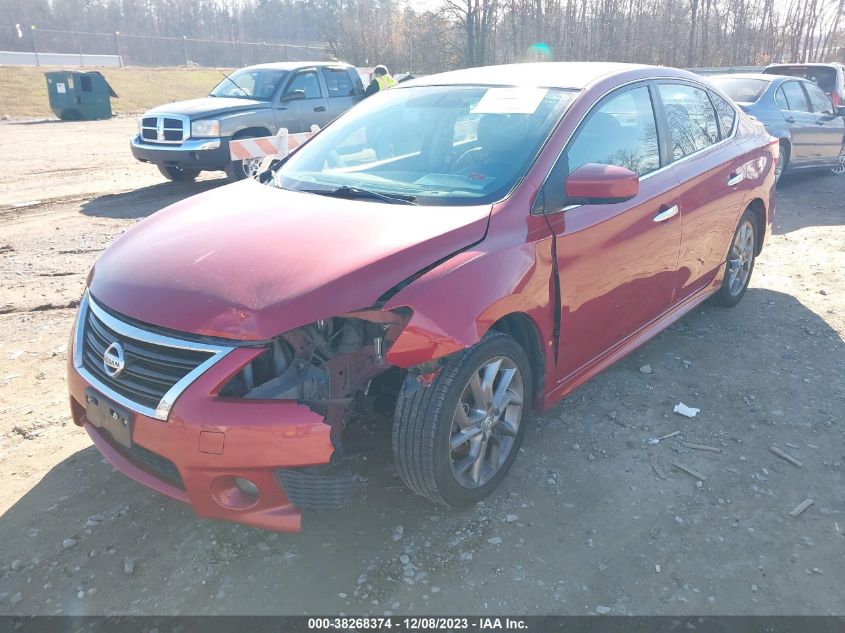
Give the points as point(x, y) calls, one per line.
point(455, 440)
point(740, 264)
point(178, 174)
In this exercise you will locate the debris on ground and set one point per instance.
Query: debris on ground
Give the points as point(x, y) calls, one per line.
point(689, 471)
point(785, 456)
point(801, 507)
point(686, 411)
point(701, 447)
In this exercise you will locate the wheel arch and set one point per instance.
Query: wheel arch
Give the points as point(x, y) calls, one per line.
point(758, 208)
point(523, 330)
point(255, 131)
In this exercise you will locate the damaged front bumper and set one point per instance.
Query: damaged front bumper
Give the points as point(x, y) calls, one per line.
point(209, 445)
point(246, 433)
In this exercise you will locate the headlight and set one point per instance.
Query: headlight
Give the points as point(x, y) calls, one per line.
point(205, 128)
point(140, 125)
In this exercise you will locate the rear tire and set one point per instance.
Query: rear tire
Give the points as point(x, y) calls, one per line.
point(178, 174)
point(740, 263)
point(455, 440)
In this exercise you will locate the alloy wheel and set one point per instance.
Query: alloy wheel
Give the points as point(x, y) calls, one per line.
point(840, 168)
point(779, 166)
point(741, 258)
point(251, 166)
point(486, 422)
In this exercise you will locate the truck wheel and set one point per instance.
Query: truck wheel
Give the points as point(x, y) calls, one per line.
point(240, 169)
point(455, 440)
point(178, 174)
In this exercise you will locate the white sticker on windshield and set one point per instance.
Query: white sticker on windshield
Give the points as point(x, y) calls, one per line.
point(60, 88)
point(510, 101)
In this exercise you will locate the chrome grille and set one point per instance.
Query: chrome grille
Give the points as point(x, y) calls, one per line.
point(156, 369)
point(166, 129)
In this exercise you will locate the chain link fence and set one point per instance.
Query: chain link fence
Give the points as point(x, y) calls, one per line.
point(146, 50)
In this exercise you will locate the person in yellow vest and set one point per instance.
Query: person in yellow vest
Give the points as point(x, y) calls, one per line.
point(381, 80)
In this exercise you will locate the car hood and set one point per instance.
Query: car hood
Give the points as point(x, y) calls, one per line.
point(209, 106)
point(248, 261)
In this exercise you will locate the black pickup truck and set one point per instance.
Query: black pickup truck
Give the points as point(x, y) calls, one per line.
point(187, 137)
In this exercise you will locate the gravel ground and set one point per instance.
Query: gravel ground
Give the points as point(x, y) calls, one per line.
point(592, 519)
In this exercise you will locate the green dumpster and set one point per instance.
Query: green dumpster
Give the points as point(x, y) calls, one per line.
point(79, 96)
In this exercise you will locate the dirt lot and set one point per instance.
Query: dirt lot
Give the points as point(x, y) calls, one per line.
point(583, 523)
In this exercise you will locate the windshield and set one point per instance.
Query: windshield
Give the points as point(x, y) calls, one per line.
point(435, 145)
point(823, 76)
point(255, 83)
point(741, 89)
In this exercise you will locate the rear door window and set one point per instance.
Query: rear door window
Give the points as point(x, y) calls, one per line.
point(818, 100)
point(796, 100)
point(338, 82)
point(691, 119)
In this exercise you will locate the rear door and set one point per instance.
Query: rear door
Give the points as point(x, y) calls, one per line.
point(616, 261)
point(829, 128)
point(711, 174)
point(299, 115)
point(340, 89)
point(795, 108)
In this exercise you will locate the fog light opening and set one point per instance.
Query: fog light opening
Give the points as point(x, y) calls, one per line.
point(236, 493)
point(246, 486)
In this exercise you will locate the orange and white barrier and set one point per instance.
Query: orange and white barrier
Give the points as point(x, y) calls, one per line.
point(269, 147)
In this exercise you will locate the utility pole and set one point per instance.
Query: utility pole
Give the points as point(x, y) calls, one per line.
point(35, 45)
point(117, 48)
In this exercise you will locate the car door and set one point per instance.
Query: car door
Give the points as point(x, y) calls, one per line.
point(340, 90)
point(616, 262)
point(829, 128)
point(299, 114)
point(711, 173)
point(795, 108)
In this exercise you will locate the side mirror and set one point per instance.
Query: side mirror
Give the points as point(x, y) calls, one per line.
point(294, 95)
point(602, 184)
point(840, 110)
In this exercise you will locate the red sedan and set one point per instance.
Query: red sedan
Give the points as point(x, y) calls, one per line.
point(459, 250)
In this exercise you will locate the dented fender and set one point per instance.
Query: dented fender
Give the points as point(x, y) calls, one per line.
point(456, 303)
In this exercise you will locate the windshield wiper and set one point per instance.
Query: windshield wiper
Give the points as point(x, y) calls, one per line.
point(356, 192)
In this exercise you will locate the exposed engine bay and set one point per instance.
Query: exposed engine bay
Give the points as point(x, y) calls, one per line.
point(333, 366)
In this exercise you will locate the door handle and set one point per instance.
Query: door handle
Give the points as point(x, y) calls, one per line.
point(790, 119)
point(320, 109)
point(735, 178)
point(671, 212)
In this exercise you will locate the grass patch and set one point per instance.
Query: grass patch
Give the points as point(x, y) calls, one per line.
point(24, 91)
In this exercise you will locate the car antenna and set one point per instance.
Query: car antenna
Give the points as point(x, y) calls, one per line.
point(234, 82)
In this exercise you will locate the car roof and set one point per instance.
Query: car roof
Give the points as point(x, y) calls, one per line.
point(296, 65)
point(576, 75)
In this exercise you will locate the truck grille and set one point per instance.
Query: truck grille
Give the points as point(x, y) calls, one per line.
point(156, 368)
point(165, 129)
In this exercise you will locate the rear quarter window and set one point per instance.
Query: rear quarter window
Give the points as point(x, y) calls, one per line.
point(725, 113)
